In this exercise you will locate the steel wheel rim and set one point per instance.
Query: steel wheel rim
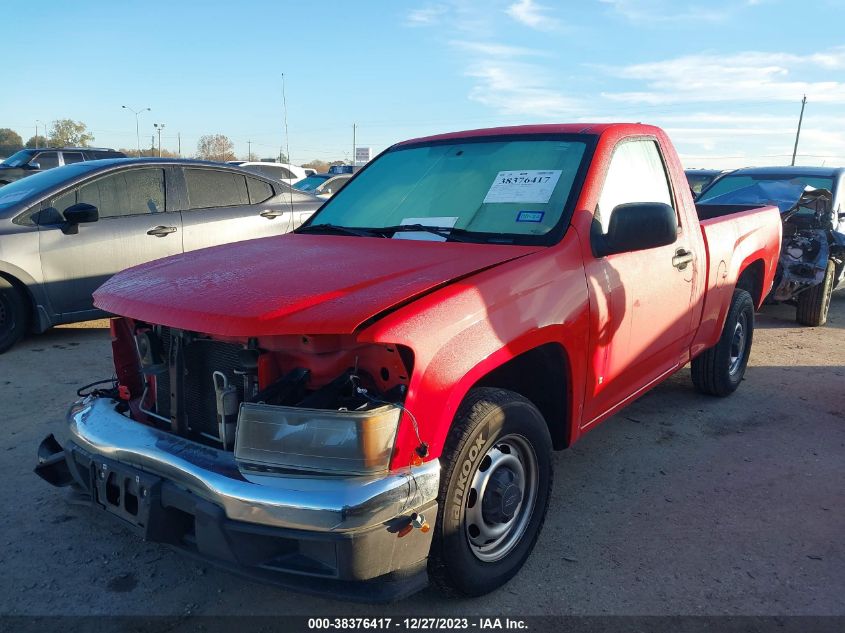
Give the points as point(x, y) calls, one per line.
point(490, 534)
point(738, 343)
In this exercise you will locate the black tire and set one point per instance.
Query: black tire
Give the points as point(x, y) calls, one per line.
point(719, 370)
point(13, 315)
point(814, 303)
point(504, 425)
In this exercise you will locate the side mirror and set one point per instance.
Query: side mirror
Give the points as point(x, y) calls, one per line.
point(33, 165)
point(637, 226)
point(79, 213)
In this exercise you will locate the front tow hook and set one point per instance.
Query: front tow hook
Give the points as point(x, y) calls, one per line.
point(52, 466)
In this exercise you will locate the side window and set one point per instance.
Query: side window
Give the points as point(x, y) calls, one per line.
point(72, 157)
point(145, 190)
point(59, 203)
point(47, 160)
point(259, 191)
point(211, 188)
point(636, 174)
point(133, 192)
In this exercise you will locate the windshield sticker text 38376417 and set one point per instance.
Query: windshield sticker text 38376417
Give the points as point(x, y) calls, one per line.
point(530, 185)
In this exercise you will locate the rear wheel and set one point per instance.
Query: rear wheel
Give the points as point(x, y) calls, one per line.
point(814, 303)
point(719, 370)
point(494, 492)
point(13, 315)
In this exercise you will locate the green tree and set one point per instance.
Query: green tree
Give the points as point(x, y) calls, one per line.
point(41, 142)
point(67, 132)
point(10, 142)
point(215, 147)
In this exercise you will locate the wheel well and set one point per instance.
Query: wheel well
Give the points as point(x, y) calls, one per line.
point(541, 375)
point(751, 279)
point(21, 288)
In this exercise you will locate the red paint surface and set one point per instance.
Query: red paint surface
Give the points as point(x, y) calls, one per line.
point(291, 284)
point(622, 323)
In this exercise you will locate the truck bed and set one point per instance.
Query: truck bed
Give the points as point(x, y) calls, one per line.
point(736, 236)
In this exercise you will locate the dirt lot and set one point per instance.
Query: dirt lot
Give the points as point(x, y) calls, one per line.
point(682, 504)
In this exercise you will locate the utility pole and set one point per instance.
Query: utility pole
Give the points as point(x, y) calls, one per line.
point(179, 141)
point(249, 150)
point(798, 133)
point(137, 129)
point(159, 127)
point(354, 130)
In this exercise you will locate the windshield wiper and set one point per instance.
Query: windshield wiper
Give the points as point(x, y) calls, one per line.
point(458, 235)
point(334, 228)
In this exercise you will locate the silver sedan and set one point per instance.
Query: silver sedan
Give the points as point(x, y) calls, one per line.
point(63, 232)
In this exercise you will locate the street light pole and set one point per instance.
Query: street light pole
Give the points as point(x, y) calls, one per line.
point(44, 126)
point(159, 127)
point(137, 128)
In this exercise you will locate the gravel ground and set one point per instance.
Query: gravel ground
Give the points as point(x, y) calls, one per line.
point(681, 504)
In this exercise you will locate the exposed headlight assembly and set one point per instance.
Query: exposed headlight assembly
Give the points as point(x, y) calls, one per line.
point(337, 442)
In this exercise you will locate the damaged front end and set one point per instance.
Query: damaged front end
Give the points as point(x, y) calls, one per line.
point(275, 455)
point(809, 242)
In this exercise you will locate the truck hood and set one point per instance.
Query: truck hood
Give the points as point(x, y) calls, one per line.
point(292, 284)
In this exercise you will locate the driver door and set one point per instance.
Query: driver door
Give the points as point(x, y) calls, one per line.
point(134, 227)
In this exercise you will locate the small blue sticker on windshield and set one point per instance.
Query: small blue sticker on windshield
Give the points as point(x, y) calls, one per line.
point(530, 216)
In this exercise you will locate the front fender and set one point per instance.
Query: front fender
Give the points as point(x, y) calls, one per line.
point(462, 332)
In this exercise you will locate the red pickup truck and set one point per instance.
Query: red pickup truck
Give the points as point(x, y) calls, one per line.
point(372, 402)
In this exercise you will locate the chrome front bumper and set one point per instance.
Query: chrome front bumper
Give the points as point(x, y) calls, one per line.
point(314, 503)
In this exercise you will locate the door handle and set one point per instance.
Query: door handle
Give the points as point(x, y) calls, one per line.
point(682, 258)
point(162, 231)
point(267, 213)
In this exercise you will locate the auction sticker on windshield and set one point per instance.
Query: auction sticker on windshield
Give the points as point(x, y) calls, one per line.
point(531, 185)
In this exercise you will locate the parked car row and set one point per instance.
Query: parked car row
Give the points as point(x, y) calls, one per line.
point(63, 232)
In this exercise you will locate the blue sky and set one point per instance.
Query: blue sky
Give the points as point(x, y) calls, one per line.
point(725, 78)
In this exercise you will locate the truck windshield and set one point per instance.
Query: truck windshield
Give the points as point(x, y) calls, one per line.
point(511, 190)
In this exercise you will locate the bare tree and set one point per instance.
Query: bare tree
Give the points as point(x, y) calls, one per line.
point(215, 147)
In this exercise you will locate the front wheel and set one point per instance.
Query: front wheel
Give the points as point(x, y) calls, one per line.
point(719, 370)
point(814, 303)
point(494, 492)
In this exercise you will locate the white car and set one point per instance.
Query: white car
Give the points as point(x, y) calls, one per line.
point(331, 186)
point(280, 172)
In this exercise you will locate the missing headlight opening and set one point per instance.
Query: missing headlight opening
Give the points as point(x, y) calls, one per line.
point(281, 402)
